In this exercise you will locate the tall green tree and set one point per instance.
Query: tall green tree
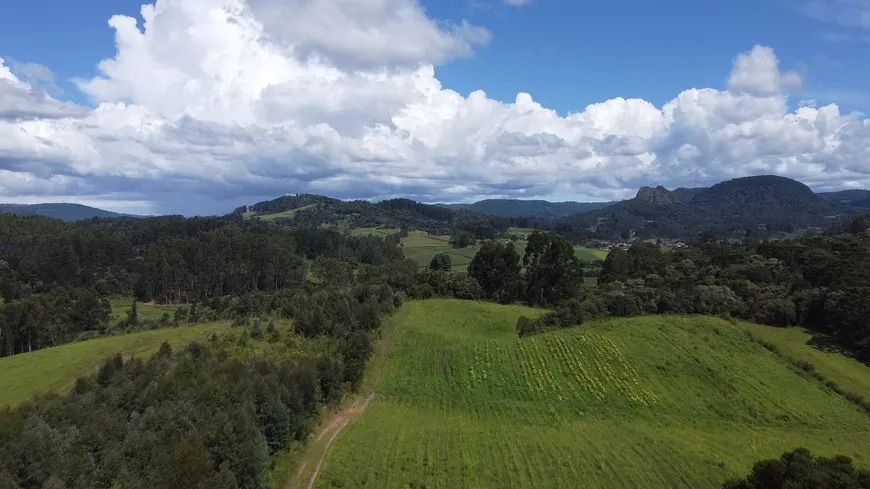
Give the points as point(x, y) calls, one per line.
point(496, 267)
point(441, 261)
point(552, 271)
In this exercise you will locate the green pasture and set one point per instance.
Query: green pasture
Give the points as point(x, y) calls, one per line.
point(652, 402)
point(120, 306)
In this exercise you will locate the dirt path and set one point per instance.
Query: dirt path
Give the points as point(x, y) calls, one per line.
point(312, 461)
point(336, 423)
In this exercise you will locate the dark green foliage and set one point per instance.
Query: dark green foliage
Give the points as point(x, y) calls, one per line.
point(859, 225)
point(496, 268)
point(55, 276)
point(552, 273)
point(195, 419)
point(530, 208)
point(441, 261)
point(314, 211)
point(462, 239)
point(799, 469)
point(49, 319)
point(133, 314)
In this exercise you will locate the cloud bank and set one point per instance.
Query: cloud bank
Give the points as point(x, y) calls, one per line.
point(209, 104)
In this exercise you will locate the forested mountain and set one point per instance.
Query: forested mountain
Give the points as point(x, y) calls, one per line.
point(530, 208)
point(856, 197)
point(764, 204)
point(314, 211)
point(67, 212)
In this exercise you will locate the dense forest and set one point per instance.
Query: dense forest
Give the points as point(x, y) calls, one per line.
point(55, 276)
point(209, 415)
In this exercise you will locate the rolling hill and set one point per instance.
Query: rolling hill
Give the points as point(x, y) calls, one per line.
point(767, 204)
point(644, 402)
point(541, 209)
point(64, 211)
point(307, 210)
point(856, 198)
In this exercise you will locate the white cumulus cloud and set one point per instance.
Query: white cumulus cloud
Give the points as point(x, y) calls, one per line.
point(208, 104)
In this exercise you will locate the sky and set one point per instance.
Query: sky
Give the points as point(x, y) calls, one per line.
point(199, 106)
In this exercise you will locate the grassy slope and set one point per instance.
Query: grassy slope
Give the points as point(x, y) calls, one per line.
point(56, 369)
point(644, 402)
point(288, 214)
point(794, 343)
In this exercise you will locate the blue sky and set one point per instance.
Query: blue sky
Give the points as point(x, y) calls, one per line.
point(566, 54)
point(215, 106)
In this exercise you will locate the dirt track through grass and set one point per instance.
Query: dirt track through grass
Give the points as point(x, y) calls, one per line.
point(316, 451)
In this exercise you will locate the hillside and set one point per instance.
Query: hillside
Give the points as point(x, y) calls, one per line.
point(306, 210)
point(767, 204)
point(56, 369)
point(857, 198)
point(530, 208)
point(67, 212)
point(647, 402)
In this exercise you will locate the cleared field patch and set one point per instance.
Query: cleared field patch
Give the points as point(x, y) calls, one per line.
point(56, 369)
point(644, 402)
point(379, 232)
point(589, 254)
point(288, 214)
point(120, 306)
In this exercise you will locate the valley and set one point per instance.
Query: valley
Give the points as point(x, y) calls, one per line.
point(308, 341)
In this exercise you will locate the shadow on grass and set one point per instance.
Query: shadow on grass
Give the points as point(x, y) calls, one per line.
point(829, 343)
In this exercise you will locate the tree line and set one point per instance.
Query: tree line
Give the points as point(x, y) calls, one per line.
point(55, 276)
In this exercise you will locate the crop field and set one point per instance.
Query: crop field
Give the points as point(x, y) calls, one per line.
point(120, 306)
point(652, 402)
point(56, 369)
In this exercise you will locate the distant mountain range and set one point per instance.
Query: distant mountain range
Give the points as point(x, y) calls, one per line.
point(67, 212)
point(855, 198)
point(541, 209)
point(767, 204)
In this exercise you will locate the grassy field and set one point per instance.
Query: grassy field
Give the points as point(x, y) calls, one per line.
point(795, 343)
point(56, 369)
point(288, 214)
point(120, 306)
point(645, 402)
point(379, 232)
